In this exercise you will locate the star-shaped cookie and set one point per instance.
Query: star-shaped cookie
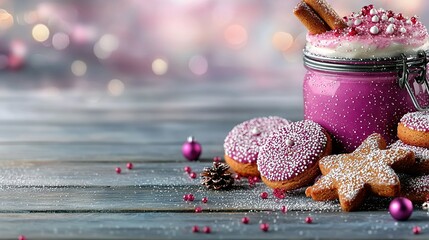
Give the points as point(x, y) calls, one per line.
point(369, 168)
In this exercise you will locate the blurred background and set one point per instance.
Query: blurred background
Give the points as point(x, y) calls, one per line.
point(163, 49)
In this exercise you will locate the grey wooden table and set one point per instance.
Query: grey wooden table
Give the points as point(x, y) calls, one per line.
point(59, 151)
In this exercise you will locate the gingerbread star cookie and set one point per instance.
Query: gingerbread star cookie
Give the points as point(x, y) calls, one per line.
point(349, 177)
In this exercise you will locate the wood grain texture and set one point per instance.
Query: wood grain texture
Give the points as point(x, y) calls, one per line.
point(359, 225)
point(58, 152)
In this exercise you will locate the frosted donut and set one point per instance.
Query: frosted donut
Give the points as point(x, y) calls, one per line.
point(289, 158)
point(416, 188)
point(243, 142)
point(414, 129)
point(422, 157)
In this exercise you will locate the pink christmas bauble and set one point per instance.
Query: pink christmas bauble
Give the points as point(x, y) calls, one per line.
point(191, 149)
point(401, 208)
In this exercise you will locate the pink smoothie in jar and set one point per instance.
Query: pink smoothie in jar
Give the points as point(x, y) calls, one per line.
point(362, 79)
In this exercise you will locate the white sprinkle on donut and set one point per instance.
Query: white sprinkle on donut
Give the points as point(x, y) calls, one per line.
point(375, 19)
point(390, 29)
point(403, 30)
point(374, 30)
point(358, 22)
point(242, 145)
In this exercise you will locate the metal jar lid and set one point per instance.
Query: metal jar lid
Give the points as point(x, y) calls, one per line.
point(404, 66)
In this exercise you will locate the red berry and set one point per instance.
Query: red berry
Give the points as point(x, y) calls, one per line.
point(284, 209)
point(204, 200)
point(198, 210)
point(130, 165)
point(185, 197)
point(22, 237)
point(264, 227)
point(365, 10)
point(192, 175)
point(352, 31)
point(195, 229)
point(191, 197)
point(370, 6)
point(279, 193)
point(207, 229)
point(414, 20)
point(417, 230)
point(245, 220)
point(390, 14)
point(187, 169)
point(118, 170)
point(217, 159)
point(337, 32)
point(264, 195)
point(308, 220)
point(399, 16)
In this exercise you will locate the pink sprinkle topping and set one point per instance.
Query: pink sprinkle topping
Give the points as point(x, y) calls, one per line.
point(242, 144)
point(418, 121)
point(412, 35)
point(278, 161)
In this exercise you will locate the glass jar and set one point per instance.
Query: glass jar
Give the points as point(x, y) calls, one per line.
point(353, 98)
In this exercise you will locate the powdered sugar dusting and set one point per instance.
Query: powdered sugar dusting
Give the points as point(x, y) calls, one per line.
point(279, 160)
point(243, 141)
point(421, 154)
point(367, 165)
point(418, 121)
point(414, 185)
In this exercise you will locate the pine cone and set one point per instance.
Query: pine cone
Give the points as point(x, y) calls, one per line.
point(217, 176)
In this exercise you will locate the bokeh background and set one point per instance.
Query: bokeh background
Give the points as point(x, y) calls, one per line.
point(108, 49)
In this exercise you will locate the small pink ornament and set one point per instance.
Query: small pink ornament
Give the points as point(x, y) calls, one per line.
point(191, 197)
point(130, 165)
point(401, 208)
point(22, 237)
point(284, 209)
point(195, 229)
point(191, 149)
point(204, 200)
point(309, 220)
point(264, 227)
point(187, 169)
point(198, 210)
point(207, 229)
point(417, 230)
point(217, 159)
point(193, 175)
point(245, 220)
point(264, 195)
point(118, 170)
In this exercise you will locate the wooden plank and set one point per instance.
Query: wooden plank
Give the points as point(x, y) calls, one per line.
point(357, 225)
point(118, 152)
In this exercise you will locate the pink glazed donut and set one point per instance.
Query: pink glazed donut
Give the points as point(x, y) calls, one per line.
point(289, 158)
point(243, 142)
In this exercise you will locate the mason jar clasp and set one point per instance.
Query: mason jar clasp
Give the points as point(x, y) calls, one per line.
point(420, 73)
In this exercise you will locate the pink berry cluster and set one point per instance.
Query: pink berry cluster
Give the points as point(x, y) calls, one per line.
point(376, 21)
point(129, 166)
point(196, 229)
point(188, 170)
